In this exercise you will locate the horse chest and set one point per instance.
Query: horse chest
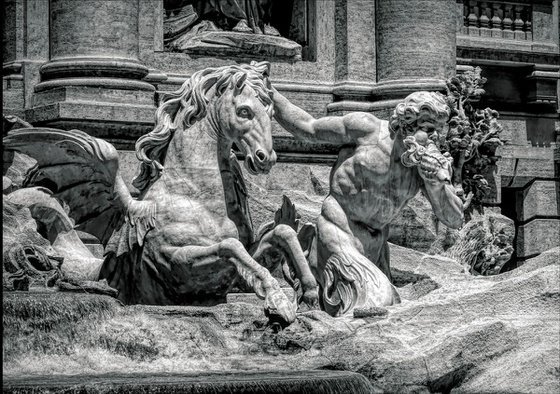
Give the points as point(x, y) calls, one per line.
point(188, 221)
point(192, 208)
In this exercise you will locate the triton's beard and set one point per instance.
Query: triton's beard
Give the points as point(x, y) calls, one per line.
point(414, 152)
point(431, 157)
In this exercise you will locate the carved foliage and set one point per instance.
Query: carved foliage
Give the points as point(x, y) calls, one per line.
point(471, 139)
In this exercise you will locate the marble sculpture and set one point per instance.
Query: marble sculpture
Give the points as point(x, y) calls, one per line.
point(381, 166)
point(188, 238)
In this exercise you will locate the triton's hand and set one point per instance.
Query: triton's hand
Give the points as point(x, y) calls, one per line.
point(434, 167)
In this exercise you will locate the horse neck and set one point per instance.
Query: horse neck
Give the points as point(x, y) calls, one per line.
point(194, 156)
point(194, 147)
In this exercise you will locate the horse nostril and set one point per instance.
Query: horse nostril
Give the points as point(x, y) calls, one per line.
point(261, 156)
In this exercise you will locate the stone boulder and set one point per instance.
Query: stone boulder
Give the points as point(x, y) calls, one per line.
point(453, 332)
point(484, 244)
point(28, 258)
point(41, 248)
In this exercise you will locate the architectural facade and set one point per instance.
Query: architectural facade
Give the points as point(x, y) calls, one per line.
point(101, 66)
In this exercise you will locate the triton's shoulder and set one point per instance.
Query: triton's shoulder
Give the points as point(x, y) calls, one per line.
point(363, 122)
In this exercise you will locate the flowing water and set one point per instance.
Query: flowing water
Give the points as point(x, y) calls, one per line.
point(305, 382)
point(80, 343)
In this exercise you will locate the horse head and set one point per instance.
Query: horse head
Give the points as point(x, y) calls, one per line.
point(236, 101)
point(243, 113)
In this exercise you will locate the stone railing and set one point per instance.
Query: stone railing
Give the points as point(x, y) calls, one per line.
point(498, 19)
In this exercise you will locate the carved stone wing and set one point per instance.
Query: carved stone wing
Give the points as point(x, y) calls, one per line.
point(80, 170)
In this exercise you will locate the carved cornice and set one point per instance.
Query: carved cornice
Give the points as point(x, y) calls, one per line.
point(93, 67)
point(110, 83)
point(11, 68)
point(402, 87)
point(468, 54)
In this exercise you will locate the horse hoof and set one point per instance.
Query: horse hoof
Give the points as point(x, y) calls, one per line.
point(309, 301)
point(278, 308)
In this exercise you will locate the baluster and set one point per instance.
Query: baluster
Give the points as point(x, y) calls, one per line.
point(497, 16)
point(484, 19)
point(518, 23)
point(528, 24)
point(466, 14)
point(473, 19)
point(508, 22)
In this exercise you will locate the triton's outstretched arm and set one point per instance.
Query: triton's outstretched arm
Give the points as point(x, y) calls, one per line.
point(335, 129)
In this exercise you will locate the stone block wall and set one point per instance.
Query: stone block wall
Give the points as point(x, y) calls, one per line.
point(522, 63)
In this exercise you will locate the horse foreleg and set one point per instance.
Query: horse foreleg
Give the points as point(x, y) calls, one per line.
point(284, 239)
point(276, 305)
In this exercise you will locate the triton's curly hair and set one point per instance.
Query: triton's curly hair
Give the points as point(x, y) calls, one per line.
point(417, 108)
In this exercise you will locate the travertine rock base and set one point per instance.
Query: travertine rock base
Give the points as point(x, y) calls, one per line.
point(452, 331)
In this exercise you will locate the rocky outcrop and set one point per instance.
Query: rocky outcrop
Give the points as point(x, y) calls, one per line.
point(41, 247)
point(28, 258)
point(484, 244)
point(453, 332)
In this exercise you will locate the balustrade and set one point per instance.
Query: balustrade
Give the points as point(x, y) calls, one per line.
point(499, 19)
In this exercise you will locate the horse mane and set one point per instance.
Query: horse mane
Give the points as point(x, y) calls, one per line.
point(188, 105)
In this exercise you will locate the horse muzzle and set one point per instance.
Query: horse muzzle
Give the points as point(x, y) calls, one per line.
point(261, 162)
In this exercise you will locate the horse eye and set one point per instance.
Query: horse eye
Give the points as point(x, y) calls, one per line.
point(244, 112)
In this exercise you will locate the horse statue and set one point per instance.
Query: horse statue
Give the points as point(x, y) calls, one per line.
point(186, 239)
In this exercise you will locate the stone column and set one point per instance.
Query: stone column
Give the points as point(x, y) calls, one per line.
point(354, 62)
point(93, 79)
point(416, 47)
point(26, 48)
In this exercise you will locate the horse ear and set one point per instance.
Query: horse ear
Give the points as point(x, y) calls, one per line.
point(239, 86)
point(266, 72)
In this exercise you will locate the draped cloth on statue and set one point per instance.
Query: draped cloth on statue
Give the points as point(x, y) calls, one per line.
point(204, 28)
point(226, 14)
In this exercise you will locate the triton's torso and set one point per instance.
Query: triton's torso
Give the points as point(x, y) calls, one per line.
point(370, 183)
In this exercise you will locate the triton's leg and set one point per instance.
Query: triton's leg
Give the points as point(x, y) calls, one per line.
point(347, 278)
point(265, 286)
point(284, 239)
point(373, 244)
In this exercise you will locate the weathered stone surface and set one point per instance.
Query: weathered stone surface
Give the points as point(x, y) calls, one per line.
point(469, 335)
point(537, 236)
point(355, 58)
point(70, 284)
point(539, 199)
point(76, 30)
point(306, 186)
point(524, 163)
